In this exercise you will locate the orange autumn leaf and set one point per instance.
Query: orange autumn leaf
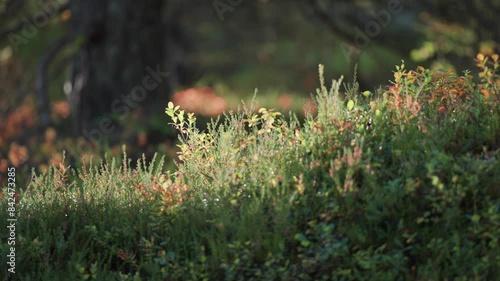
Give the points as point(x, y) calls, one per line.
point(17, 121)
point(18, 154)
point(486, 93)
point(3, 165)
point(61, 109)
point(50, 135)
point(66, 15)
point(142, 139)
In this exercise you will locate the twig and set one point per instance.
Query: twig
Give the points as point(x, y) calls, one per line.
point(346, 36)
point(11, 8)
point(41, 77)
point(59, 67)
point(329, 22)
point(29, 21)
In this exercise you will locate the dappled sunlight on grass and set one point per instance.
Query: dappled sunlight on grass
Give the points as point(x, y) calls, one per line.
point(386, 185)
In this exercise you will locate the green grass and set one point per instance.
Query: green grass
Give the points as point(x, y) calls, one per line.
point(401, 184)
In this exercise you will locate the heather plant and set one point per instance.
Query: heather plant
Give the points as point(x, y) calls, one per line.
point(401, 183)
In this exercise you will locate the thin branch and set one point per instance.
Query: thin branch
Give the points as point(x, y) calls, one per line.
point(41, 76)
point(29, 20)
point(11, 8)
point(79, 81)
point(482, 20)
point(329, 22)
point(60, 67)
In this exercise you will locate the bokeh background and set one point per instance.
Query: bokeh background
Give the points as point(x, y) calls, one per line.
point(88, 76)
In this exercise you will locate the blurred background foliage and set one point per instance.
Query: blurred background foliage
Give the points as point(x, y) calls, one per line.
point(64, 63)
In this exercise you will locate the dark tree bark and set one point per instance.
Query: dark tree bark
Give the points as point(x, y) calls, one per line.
point(122, 47)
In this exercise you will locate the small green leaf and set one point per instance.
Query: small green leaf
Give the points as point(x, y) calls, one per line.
point(435, 180)
point(476, 218)
point(367, 93)
point(350, 104)
point(170, 105)
point(93, 268)
point(181, 116)
point(302, 239)
point(171, 255)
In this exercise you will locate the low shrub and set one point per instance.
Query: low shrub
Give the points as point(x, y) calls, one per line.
point(399, 184)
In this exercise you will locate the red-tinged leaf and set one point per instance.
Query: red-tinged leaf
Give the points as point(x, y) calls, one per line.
point(348, 125)
point(486, 93)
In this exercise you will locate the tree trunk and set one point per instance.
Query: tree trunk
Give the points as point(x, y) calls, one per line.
point(120, 65)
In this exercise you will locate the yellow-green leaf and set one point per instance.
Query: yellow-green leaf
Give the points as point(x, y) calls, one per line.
point(350, 104)
point(476, 218)
point(181, 116)
point(367, 93)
